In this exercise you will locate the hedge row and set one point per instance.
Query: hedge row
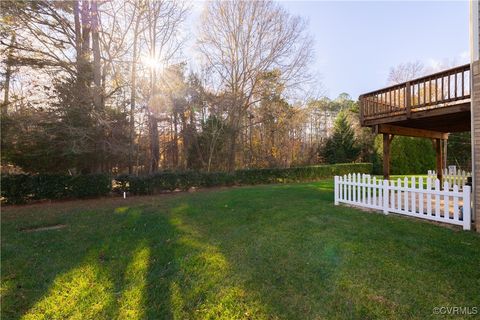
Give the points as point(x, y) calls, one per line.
point(21, 188)
point(298, 174)
point(169, 181)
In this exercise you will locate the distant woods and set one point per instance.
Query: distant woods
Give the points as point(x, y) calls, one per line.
point(105, 87)
point(94, 86)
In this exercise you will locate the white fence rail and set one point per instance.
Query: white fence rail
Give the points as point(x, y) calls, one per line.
point(453, 177)
point(406, 197)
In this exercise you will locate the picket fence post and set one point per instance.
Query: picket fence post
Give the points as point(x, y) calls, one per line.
point(385, 196)
point(336, 190)
point(466, 208)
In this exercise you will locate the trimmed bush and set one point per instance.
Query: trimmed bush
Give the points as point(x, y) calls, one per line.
point(217, 179)
point(21, 188)
point(90, 185)
point(50, 186)
point(169, 181)
point(17, 188)
point(298, 174)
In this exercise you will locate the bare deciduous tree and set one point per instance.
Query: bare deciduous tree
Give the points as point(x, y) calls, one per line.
point(240, 40)
point(162, 22)
point(405, 71)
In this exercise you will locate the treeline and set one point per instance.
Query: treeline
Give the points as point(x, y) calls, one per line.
point(105, 87)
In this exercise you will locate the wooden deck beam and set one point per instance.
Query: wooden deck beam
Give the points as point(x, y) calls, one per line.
point(441, 111)
point(409, 132)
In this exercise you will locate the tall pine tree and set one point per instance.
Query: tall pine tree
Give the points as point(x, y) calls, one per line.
point(341, 146)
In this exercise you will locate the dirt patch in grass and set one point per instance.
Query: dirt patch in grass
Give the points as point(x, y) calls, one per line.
point(44, 228)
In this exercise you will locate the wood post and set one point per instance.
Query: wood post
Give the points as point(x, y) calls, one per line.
point(445, 146)
point(362, 107)
point(408, 100)
point(387, 140)
point(439, 159)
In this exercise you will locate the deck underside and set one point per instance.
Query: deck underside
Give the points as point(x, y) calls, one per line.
point(451, 118)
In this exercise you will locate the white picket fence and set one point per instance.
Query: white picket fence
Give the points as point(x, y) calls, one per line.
point(406, 197)
point(453, 177)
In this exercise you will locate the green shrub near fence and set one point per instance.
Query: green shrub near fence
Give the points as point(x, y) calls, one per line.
point(169, 181)
point(16, 188)
point(91, 185)
point(49, 186)
point(21, 188)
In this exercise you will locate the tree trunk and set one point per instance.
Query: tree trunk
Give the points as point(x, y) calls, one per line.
point(186, 135)
point(232, 150)
point(8, 75)
point(78, 33)
point(84, 69)
point(97, 90)
point(175, 139)
point(154, 144)
point(97, 67)
point(250, 140)
point(133, 96)
point(86, 27)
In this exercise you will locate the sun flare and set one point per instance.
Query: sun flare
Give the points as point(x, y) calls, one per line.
point(152, 62)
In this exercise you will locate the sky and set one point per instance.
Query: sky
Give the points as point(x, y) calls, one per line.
point(356, 43)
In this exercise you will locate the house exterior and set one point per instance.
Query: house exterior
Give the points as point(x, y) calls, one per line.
point(475, 106)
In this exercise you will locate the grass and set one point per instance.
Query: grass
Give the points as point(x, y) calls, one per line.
point(263, 252)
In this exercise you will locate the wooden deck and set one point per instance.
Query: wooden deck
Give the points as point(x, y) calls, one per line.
point(438, 102)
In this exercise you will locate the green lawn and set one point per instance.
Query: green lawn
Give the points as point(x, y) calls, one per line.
point(263, 252)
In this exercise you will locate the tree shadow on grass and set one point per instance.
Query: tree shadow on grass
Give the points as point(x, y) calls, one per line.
point(134, 263)
point(104, 265)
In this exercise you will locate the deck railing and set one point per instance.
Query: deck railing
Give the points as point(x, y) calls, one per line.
point(436, 90)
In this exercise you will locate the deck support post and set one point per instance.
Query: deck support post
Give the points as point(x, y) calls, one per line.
point(445, 146)
point(387, 141)
point(439, 159)
point(408, 100)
